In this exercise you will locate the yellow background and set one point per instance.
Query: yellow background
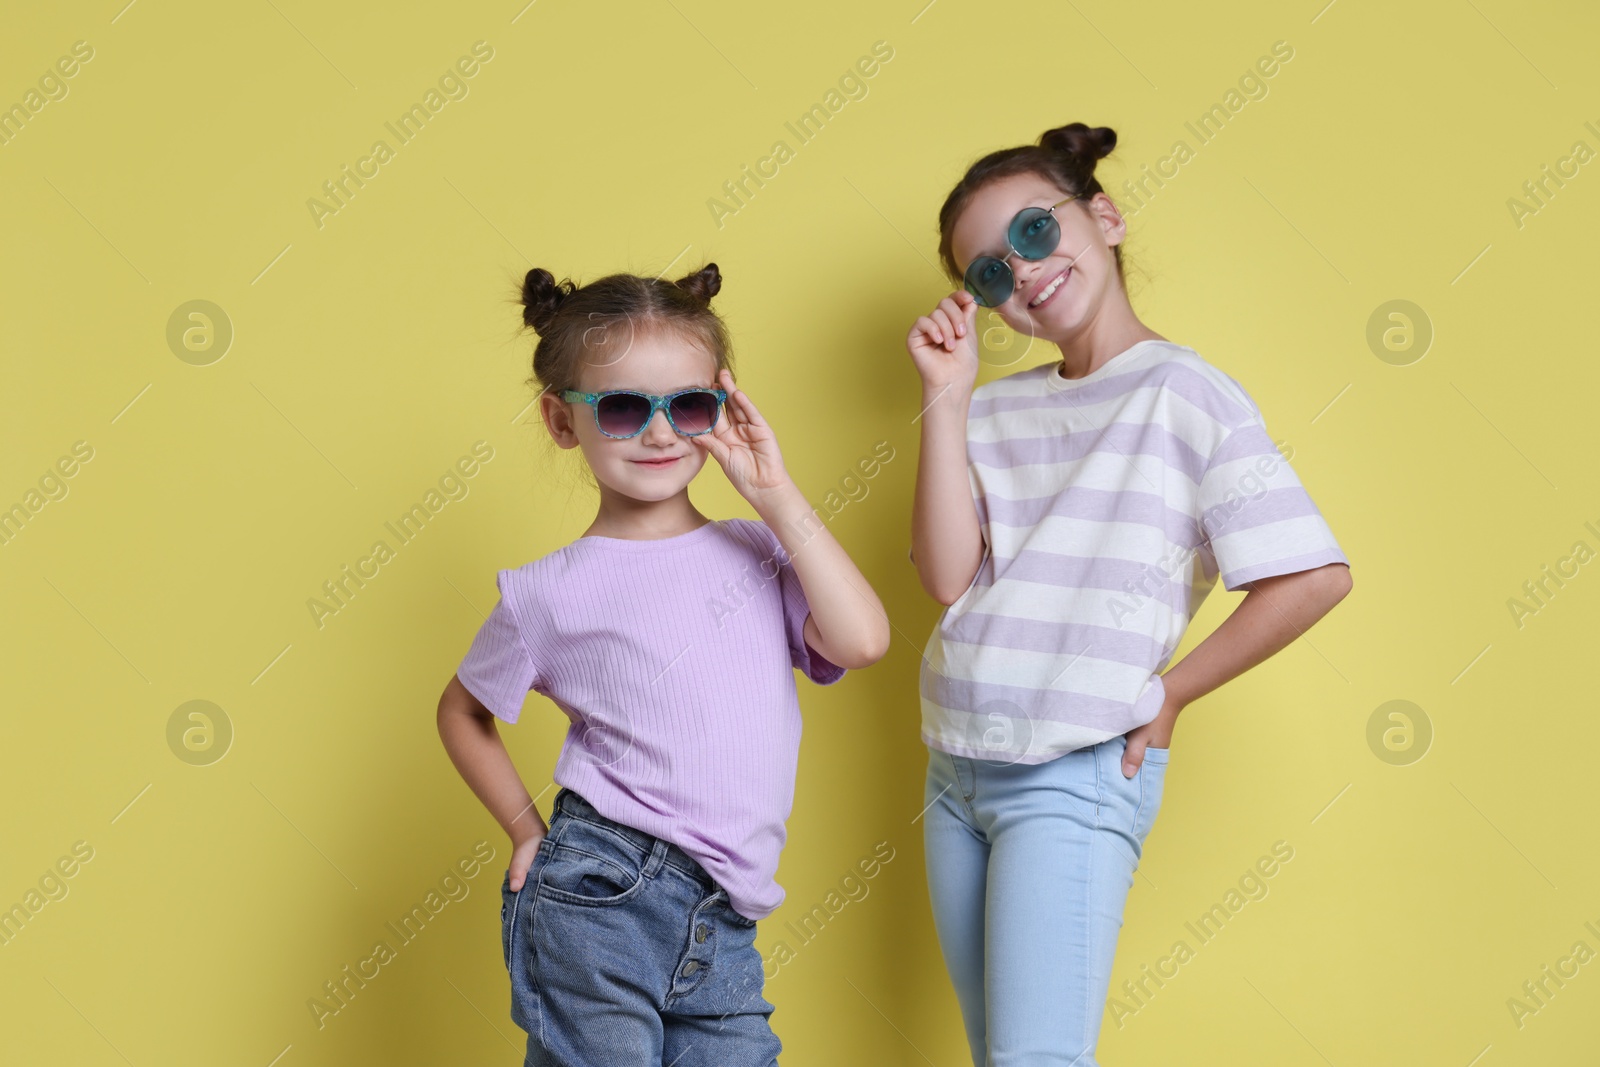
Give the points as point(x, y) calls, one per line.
point(370, 353)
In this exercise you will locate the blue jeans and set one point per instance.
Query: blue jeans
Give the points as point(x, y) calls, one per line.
point(1028, 870)
point(623, 950)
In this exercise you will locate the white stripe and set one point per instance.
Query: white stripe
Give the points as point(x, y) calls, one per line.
point(1104, 469)
point(1146, 406)
point(1077, 606)
point(1015, 742)
point(1246, 474)
point(1088, 676)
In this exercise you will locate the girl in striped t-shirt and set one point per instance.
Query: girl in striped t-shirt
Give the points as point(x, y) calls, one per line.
point(1072, 517)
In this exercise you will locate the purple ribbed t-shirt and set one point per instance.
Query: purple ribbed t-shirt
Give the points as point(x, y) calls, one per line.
point(674, 659)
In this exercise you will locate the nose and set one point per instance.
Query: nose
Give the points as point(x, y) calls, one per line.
point(1024, 271)
point(660, 431)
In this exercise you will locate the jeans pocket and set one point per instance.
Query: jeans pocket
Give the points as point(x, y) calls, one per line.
point(512, 916)
point(589, 865)
point(508, 903)
point(1152, 777)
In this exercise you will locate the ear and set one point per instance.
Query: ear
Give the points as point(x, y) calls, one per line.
point(557, 415)
point(1112, 224)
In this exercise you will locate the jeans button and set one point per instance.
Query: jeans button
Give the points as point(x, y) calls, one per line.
point(700, 934)
point(690, 967)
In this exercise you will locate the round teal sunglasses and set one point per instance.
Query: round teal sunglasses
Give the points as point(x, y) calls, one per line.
point(1033, 234)
point(624, 413)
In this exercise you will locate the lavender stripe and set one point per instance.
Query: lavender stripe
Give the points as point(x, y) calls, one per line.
point(1091, 572)
point(1098, 505)
point(1287, 565)
point(1250, 441)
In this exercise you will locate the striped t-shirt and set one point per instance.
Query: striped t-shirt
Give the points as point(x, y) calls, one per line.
point(1109, 505)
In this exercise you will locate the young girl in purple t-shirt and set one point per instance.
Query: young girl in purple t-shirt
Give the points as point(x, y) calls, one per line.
point(670, 641)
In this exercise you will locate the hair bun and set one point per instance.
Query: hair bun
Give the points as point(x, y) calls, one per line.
point(703, 284)
point(542, 297)
point(1085, 142)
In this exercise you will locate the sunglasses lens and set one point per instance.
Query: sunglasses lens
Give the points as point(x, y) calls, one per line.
point(990, 281)
point(1034, 233)
point(694, 413)
point(622, 414)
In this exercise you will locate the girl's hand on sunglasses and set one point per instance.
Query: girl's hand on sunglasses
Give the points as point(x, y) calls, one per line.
point(944, 343)
point(745, 445)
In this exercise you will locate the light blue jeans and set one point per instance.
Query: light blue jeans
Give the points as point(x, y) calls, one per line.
point(1028, 870)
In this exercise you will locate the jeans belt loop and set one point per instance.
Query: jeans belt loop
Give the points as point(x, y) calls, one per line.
point(658, 856)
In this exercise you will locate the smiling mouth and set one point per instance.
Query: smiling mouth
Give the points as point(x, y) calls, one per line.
point(1051, 289)
point(658, 464)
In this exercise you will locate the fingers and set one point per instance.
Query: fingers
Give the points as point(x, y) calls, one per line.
point(746, 406)
point(1133, 757)
point(715, 441)
point(734, 409)
point(952, 319)
point(746, 424)
point(946, 326)
point(928, 329)
point(969, 306)
point(956, 313)
point(949, 321)
point(728, 448)
point(710, 443)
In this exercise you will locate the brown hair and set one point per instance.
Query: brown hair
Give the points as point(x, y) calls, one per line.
point(1064, 156)
point(573, 320)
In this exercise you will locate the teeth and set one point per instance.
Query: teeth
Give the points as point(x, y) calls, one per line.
point(1036, 301)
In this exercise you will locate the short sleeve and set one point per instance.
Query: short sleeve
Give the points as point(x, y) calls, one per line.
point(1258, 518)
point(498, 668)
point(796, 610)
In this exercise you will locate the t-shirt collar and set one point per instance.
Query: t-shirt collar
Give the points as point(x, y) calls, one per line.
point(1057, 383)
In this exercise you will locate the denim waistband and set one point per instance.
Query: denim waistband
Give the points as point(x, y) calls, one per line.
point(574, 805)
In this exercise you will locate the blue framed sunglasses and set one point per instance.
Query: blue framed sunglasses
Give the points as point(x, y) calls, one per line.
point(624, 413)
point(1033, 234)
